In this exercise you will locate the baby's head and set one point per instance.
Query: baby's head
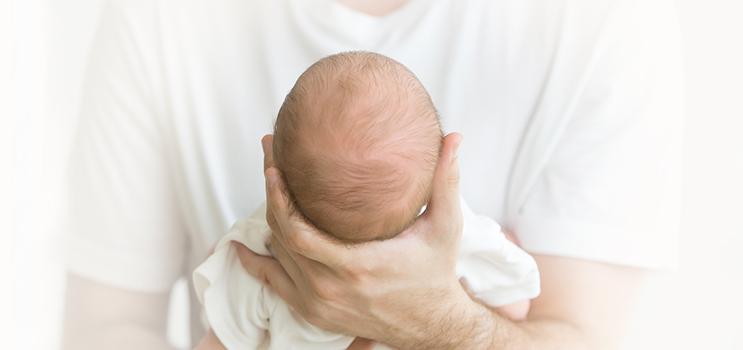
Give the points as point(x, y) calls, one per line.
point(357, 140)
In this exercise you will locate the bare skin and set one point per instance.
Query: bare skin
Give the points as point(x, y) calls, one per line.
point(583, 305)
point(582, 302)
point(98, 316)
point(404, 291)
point(515, 311)
point(374, 7)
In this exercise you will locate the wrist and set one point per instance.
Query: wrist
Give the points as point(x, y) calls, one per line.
point(480, 323)
point(460, 323)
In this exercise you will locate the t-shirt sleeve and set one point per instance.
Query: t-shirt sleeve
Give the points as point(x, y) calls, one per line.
point(124, 228)
point(599, 172)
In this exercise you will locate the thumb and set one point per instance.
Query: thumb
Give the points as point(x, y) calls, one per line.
point(444, 207)
point(267, 145)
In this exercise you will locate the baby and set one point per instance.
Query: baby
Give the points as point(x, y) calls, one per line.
point(357, 140)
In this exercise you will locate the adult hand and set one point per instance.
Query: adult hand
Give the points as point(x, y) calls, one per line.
point(394, 291)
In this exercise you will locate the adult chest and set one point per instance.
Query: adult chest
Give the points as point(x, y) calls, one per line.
point(227, 82)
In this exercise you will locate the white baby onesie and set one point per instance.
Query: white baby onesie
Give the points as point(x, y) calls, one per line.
point(245, 315)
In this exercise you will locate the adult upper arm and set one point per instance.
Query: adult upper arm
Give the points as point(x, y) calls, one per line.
point(125, 243)
point(595, 193)
point(124, 229)
point(594, 300)
point(598, 176)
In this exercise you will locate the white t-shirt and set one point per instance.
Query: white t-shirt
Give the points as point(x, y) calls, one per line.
point(245, 315)
point(570, 112)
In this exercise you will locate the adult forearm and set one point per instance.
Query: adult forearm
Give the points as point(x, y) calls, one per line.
point(583, 305)
point(542, 334)
point(478, 327)
point(99, 316)
point(117, 337)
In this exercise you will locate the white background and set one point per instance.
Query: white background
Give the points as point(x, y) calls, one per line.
point(43, 47)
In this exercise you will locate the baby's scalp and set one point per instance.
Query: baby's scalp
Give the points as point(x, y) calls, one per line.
point(357, 139)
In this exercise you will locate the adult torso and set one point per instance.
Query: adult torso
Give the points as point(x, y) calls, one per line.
point(228, 65)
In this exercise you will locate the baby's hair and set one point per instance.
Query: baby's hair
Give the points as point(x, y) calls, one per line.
point(357, 139)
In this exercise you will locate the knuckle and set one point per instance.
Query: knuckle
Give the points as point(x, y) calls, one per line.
point(326, 292)
point(365, 267)
point(453, 179)
point(359, 271)
point(353, 270)
point(299, 242)
point(314, 283)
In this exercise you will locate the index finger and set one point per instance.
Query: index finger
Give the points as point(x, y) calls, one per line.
point(269, 272)
point(267, 145)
